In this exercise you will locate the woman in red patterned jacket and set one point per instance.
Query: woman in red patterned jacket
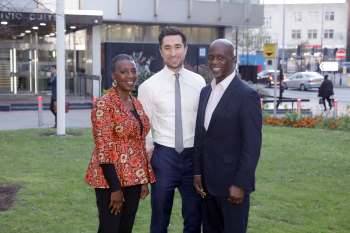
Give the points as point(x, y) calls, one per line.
point(119, 168)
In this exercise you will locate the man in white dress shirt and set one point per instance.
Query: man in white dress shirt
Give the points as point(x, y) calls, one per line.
point(170, 99)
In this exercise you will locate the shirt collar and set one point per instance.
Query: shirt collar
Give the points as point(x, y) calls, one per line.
point(224, 83)
point(171, 73)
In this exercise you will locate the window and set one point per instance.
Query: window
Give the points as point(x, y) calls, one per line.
point(329, 16)
point(312, 34)
point(329, 34)
point(296, 34)
point(298, 16)
point(149, 33)
point(267, 22)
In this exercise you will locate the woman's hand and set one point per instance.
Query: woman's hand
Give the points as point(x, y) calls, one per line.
point(144, 191)
point(116, 204)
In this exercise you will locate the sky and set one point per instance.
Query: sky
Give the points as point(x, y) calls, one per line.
point(302, 1)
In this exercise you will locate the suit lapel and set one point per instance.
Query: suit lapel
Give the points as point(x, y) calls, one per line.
point(225, 100)
point(203, 106)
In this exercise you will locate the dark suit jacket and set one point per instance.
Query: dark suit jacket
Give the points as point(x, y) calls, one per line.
point(228, 152)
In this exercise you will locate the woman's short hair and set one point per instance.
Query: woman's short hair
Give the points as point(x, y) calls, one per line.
point(118, 58)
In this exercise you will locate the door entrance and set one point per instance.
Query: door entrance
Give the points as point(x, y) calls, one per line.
point(5, 82)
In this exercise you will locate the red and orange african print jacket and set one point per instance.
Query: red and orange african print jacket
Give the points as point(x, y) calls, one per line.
point(118, 141)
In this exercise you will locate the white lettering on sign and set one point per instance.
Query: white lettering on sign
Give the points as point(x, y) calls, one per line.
point(329, 66)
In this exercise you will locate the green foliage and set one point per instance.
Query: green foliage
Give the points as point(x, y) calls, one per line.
point(265, 115)
point(344, 123)
point(143, 70)
point(327, 123)
point(294, 119)
point(293, 116)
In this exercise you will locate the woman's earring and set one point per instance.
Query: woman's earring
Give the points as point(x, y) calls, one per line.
point(114, 83)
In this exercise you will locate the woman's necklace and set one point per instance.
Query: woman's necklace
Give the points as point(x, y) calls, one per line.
point(127, 103)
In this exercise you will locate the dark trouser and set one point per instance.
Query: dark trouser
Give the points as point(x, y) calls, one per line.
point(174, 170)
point(220, 216)
point(122, 222)
point(329, 102)
point(52, 108)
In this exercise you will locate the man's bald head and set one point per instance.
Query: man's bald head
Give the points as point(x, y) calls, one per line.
point(221, 59)
point(224, 42)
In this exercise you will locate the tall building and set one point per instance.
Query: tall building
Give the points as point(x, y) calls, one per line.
point(312, 32)
point(98, 30)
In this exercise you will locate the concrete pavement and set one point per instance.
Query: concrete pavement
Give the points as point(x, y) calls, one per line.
point(29, 119)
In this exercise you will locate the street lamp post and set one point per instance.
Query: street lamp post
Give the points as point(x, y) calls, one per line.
point(283, 34)
point(60, 59)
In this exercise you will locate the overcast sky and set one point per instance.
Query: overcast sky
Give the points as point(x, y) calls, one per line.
point(302, 1)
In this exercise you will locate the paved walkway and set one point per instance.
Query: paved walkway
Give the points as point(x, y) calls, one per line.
point(29, 119)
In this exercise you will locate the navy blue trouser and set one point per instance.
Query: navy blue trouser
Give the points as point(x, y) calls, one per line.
point(220, 216)
point(174, 170)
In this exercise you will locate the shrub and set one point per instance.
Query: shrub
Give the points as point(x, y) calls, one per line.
point(297, 121)
point(344, 123)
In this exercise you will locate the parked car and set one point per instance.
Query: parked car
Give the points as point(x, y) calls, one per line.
point(266, 77)
point(303, 81)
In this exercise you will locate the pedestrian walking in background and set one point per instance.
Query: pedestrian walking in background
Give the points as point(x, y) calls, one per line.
point(325, 92)
point(53, 84)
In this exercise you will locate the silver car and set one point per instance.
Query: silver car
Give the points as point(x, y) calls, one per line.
point(303, 81)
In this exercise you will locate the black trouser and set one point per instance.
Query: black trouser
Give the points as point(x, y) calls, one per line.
point(124, 221)
point(220, 216)
point(52, 108)
point(328, 98)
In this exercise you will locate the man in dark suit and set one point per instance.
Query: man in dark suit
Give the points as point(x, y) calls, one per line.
point(227, 144)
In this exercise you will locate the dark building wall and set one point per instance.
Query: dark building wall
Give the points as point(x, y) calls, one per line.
point(147, 55)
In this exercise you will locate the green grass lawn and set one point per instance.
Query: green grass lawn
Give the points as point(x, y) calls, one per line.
point(303, 183)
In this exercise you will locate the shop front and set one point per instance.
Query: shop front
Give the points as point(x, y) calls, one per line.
point(27, 51)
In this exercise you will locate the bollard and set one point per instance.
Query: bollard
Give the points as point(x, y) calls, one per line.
point(262, 103)
point(299, 106)
point(335, 108)
point(40, 110)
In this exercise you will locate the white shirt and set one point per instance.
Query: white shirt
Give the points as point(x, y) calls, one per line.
point(217, 91)
point(157, 96)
